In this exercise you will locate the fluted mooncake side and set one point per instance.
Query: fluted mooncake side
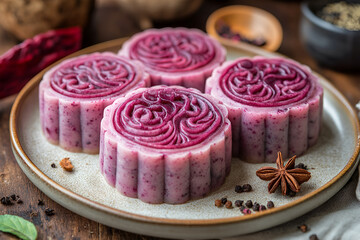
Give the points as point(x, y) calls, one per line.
point(176, 56)
point(165, 144)
point(274, 104)
point(73, 95)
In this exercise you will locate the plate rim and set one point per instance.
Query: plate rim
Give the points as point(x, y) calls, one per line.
point(26, 161)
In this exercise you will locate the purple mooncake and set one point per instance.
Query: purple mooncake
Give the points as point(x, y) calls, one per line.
point(165, 144)
point(73, 96)
point(274, 105)
point(176, 56)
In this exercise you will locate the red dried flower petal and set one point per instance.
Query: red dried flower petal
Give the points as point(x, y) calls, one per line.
point(22, 62)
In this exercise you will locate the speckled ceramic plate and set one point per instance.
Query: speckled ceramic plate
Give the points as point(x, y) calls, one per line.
point(331, 161)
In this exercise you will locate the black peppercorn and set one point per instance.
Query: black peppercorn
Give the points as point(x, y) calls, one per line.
point(314, 237)
point(239, 203)
point(270, 204)
point(40, 202)
point(256, 207)
point(6, 201)
point(223, 200)
point(238, 189)
point(246, 187)
point(301, 165)
point(262, 208)
point(49, 212)
point(249, 204)
point(223, 29)
point(303, 228)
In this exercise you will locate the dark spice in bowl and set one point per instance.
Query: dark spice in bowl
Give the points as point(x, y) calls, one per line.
point(342, 14)
point(330, 45)
point(225, 31)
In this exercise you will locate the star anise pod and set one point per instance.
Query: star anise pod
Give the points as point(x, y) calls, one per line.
point(286, 176)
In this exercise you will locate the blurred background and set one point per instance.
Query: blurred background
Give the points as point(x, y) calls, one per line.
point(110, 19)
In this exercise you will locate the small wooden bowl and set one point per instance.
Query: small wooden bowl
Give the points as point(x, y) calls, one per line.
point(249, 22)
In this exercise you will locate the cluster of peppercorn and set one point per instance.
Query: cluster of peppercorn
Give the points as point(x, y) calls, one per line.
point(223, 202)
point(224, 31)
point(48, 211)
point(304, 228)
point(10, 200)
point(245, 208)
point(256, 207)
point(243, 188)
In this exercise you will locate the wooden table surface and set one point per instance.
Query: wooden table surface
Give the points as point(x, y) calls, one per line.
point(67, 225)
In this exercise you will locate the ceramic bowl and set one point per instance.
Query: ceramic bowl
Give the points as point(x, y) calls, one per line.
point(249, 22)
point(329, 45)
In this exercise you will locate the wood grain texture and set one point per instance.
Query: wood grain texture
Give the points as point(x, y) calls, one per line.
point(67, 225)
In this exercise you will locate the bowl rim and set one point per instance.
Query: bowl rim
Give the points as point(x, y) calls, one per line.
point(233, 9)
point(321, 23)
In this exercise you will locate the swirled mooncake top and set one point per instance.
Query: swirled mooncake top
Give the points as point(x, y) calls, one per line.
point(168, 118)
point(93, 76)
point(174, 50)
point(266, 82)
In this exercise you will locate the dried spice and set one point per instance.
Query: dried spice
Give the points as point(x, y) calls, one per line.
point(218, 203)
point(66, 164)
point(247, 188)
point(53, 165)
point(262, 208)
point(270, 204)
point(313, 237)
point(246, 211)
point(49, 212)
point(6, 201)
point(342, 14)
point(301, 165)
point(41, 202)
point(228, 204)
point(238, 189)
point(225, 31)
point(249, 204)
point(256, 207)
point(10, 200)
point(288, 177)
point(23, 61)
point(239, 203)
point(223, 200)
point(303, 228)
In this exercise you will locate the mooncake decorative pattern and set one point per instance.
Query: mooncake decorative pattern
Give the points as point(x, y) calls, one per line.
point(274, 104)
point(165, 144)
point(74, 94)
point(176, 56)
